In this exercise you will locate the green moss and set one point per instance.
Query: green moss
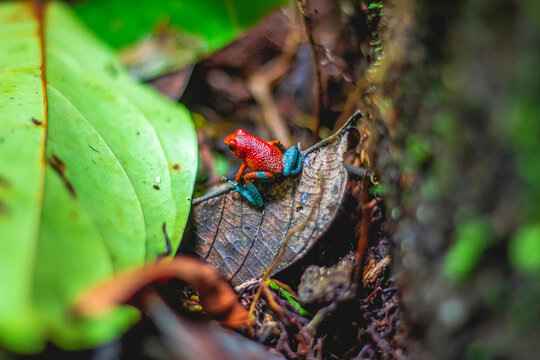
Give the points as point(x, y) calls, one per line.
point(378, 190)
point(418, 149)
point(473, 237)
point(429, 189)
point(497, 295)
point(524, 312)
point(446, 126)
point(524, 249)
point(478, 351)
point(524, 129)
point(375, 5)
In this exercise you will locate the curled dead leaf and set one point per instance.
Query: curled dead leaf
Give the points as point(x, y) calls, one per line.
point(216, 296)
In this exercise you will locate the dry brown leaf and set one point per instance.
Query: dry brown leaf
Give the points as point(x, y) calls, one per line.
point(242, 240)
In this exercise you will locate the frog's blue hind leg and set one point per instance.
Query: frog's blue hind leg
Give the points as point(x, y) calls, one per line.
point(292, 161)
point(249, 192)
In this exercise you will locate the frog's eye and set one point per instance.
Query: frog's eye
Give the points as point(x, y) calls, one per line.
point(232, 144)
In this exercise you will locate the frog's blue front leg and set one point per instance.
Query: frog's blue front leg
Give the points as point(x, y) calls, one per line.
point(292, 161)
point(249, 192)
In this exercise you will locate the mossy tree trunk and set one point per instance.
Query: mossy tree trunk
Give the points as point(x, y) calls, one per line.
point(459, 92)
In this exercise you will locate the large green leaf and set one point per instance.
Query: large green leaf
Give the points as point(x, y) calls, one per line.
point(91, 167)
point(184, 29)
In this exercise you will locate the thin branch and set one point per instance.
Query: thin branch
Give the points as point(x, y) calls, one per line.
point(308, 28)
point(357, 172)
point(262, 82)
point(216, 191)
point(349, 124)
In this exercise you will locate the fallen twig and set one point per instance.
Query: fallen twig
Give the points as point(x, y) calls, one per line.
point(376, 270)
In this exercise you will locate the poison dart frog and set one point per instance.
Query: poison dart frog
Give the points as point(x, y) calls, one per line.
point(264, 160)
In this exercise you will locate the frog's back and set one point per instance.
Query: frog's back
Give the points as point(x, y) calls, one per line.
point(259, 155)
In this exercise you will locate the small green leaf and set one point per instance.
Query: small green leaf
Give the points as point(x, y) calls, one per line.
point(187, 29)
point(290, 298)
point(81, 146)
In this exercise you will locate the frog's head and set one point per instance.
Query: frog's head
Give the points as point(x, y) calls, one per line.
point(235, 141)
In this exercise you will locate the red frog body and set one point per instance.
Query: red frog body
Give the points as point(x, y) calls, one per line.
point(264, 160)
